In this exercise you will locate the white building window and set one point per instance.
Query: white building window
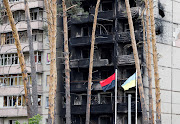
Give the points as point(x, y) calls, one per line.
point(12, 121)
point(9, 59)
point(37, 56)
point(14, 101)
point(39, 100)
point(47, 102)
point(13, 80)
point(47, 79)
point(48, 58)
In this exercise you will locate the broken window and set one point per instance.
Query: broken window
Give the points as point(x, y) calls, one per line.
point(105, 98)
point(105, 74)
point(94, 99)
point(85, 53)
point(84, 31)
point(84, 99)
point(132, 3)
point(106, 5)
point(77, 100)
point(104, 29)
point(106, 53)
point(125, 27)
point(105, 120)
point(85, 76)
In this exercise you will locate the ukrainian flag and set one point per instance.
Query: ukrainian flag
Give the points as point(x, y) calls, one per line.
point(130, 82)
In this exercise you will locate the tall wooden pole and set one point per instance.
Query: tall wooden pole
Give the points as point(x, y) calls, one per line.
point(51, 10)
point(67, 69)
point(21, 58)
point(32, 60)
point(137, 64)
point(149, 68)
point(91, 64)
point(155, 61)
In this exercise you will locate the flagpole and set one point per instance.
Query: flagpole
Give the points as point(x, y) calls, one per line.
point(136, 97)
point(116, 96)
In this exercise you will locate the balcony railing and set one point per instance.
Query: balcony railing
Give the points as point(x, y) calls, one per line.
point(102, 15)
point(124, 37)
point(86, 40)
point(102, 109)
point(126, 60)
point(135, 12)
point(106, 15)
point(84, 63)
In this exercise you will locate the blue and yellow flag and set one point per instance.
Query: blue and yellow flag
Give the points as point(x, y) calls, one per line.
point(130, 82)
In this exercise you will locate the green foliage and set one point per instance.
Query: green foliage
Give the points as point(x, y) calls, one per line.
point(34, 120)
point(75, 8)
point(17, 122)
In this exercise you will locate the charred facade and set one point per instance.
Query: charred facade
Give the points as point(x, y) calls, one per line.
point(102, 103)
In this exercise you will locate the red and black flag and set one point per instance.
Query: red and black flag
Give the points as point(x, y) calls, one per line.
point(108, 83)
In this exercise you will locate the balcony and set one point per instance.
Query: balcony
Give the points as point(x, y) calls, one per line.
point(81, 41)
point(95, 109)
point(81, 86)
point(124, 37)
point(15, 69)
point(123, 107)
point(84, 63)
point(19, 5)
point(135, 12)
point(126, 60)
point(15, 90)
point(11, 48)
point(13, 112)
point(102, 109)
point(21, 26)
point(103, 15)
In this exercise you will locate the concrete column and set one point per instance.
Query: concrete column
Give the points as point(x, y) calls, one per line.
point(129, 108)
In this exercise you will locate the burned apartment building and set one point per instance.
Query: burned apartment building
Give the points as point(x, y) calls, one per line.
point(102, 103)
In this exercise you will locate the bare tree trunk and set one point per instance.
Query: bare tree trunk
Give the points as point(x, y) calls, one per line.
point(21, 58)
point(151, 110)
point(32, 61)
point(67, 69)
point(137, 64)
point(91, 64)
point(155, 61)
point(51, 10)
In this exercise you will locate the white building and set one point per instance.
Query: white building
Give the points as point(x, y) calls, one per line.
point(12, 102)
point(168, 47)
